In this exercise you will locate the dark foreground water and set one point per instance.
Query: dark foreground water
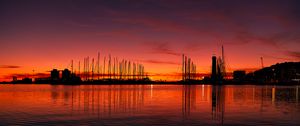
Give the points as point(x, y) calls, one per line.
point(149, 105)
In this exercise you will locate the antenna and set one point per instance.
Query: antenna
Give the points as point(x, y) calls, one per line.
point(33, 75)
point(223, 57)
point(133, 70)
point(189, 68)
point(109, 66)
point(98, 65)
point(124, 68)
point(79, 68)
point(223, 63)
point(183, 68)
point(72, 66)
point(117, 66)
point(262, 62)
point(104, 67)
point(84, 60)
point(92, 68)
point(114, 69)
point(88, 67)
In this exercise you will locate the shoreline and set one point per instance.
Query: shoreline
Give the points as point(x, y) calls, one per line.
point(162, 83)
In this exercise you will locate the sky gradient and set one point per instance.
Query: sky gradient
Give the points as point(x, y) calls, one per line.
point(42, 35)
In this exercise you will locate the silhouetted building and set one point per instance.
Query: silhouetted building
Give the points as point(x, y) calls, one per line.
point(214, 69)
point(288, 72)
point(66, 75)
point(46, 80)
point(54, 75)
point(239, 75)
point(15, 78)
point(69, 78)
point(26, 80)
point(217, 70)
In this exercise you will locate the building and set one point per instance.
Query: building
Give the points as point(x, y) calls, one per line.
point(214, 69)
point(239, 75)
point(15, 78)
point(66, 75)
point(54, 75)
point(287, 72)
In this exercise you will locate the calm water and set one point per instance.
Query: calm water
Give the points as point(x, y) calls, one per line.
point(149, 105)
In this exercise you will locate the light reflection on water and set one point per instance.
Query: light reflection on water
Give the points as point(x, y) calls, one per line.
point(149, 105)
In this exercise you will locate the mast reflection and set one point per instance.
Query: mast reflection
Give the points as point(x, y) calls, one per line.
point(197, 102)
point(102, 100)
point(218, 103)
point(188, 99)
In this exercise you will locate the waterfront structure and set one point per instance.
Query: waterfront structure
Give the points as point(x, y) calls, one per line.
point(189, 70)
point(288, 72)
point(54, 75)
point(66, 75)
point(239, 75)
point(218, 69)
point(214, 69)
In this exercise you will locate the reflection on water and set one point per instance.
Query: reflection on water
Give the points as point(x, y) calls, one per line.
point(102, 101)
point(149, 105)
point(218, 103)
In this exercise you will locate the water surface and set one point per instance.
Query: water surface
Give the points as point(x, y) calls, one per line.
point(149, 105)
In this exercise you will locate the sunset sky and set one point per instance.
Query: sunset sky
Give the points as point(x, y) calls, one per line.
point(41, 35)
